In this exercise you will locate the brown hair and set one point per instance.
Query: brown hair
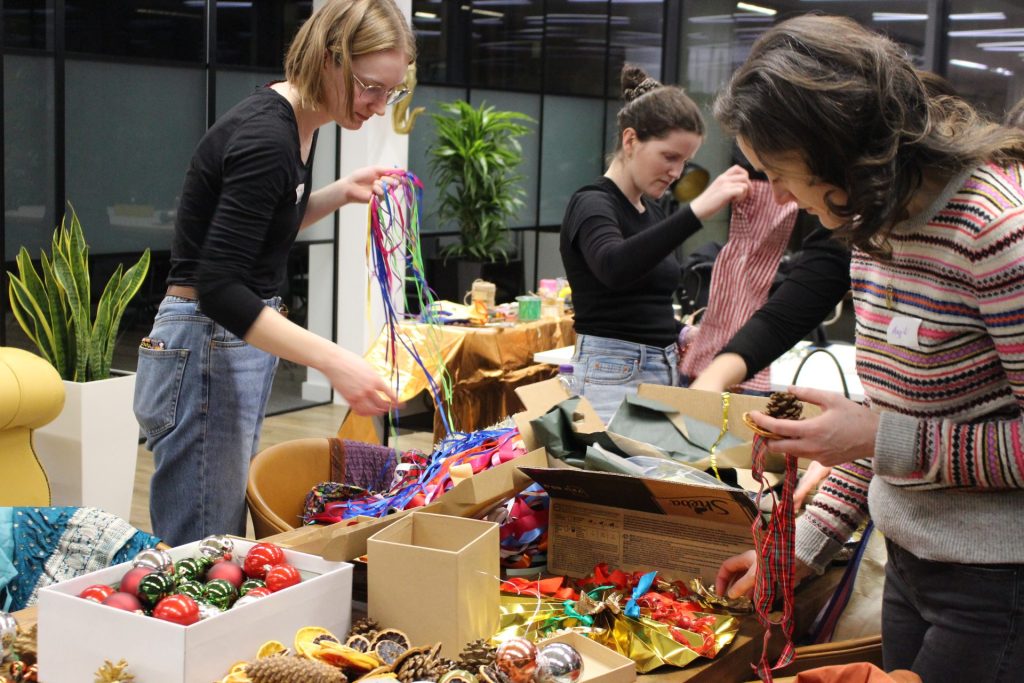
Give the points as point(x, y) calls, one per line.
point(1015, 116)
point(857, 113)
point(654, 110)
point(346, 29)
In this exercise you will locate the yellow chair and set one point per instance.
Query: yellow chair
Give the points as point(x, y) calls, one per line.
point(31, 395)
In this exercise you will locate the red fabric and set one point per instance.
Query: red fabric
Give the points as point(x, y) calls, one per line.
point(742, 275)
point(860, 672)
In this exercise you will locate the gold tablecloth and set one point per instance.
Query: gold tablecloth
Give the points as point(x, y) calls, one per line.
point(486, 364)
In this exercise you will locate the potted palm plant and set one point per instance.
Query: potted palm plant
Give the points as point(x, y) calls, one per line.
point(473, 162)
point(89, 451)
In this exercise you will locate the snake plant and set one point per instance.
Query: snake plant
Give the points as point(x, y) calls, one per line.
point(55, 311)
point(473, 162)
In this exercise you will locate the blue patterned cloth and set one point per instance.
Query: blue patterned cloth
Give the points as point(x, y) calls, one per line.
point(41, 546)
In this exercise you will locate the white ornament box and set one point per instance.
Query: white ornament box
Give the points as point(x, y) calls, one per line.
point(76, 636)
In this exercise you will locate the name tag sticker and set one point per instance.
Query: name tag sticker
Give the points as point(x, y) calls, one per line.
point(903, 331)
point(299, 191)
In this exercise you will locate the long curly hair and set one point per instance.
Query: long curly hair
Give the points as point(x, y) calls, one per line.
point(654, 110)
point(851, 105)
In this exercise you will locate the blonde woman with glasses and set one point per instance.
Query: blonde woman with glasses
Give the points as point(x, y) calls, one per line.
point(206, 368)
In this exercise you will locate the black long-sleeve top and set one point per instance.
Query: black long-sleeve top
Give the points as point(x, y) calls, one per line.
point(621, 265)
point(242, 204)
point(817, 281)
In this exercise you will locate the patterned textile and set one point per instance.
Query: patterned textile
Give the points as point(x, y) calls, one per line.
point(773, 541)
point(48, 545)
point(741, 277)
point(949, 455)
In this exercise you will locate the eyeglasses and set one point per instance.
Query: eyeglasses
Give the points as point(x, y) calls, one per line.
point(375, 93)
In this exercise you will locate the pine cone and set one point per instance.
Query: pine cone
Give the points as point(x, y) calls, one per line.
point(292, 670)
point(364, 627)
point(420, 667)
point(476, 654)
point(784, 406)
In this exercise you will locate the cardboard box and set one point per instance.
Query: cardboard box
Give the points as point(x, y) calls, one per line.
point(436, 578)
point(470, 497)
point(600, 664)
point(638, 524)
point(77, 635)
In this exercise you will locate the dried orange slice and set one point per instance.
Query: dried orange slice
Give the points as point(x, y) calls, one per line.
point(271, 648)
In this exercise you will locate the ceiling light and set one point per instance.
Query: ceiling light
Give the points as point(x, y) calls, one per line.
point(969, 65)
point(757, 9)
point(425, 15)
point(979, 16)
point(897, 16)
point(989, 33)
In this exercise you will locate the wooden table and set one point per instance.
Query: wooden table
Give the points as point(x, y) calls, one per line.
point(485, 364)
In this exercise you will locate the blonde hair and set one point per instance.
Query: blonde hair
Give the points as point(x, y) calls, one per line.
point(346, 29)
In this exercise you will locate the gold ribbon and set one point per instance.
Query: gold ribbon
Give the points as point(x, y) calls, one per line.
point(721, 434)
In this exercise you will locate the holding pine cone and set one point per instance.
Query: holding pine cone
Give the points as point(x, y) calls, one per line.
point(784, 406)
point(292, 670)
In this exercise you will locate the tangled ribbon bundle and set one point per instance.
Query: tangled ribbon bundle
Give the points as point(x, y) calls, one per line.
point(395, 256)
point(419, 479)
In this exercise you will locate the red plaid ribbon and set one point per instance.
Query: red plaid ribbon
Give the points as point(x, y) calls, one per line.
point(775, 543)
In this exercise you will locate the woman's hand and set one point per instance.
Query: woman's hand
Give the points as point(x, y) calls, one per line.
point(363, 183)
point(736, 576)
point(842, 433)
point(729, 187)
point(814, 475)
point(360, 385)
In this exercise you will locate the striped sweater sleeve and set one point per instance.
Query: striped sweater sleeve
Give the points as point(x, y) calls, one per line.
point(835, 512)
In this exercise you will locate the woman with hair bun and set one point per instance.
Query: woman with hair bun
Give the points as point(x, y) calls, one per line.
point(618, 247)
point(932, 199)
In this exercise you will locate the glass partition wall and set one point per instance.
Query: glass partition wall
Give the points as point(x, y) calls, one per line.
point(104, 102)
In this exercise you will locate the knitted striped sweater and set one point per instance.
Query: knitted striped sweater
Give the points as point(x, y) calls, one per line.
point(949, 453)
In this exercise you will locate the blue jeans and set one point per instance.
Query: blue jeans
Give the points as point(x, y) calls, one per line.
point(611, 369)
point(952, 622)
point(200, 401)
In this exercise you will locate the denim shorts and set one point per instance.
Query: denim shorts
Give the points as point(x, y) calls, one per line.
point(612, 368)
point(200, 395)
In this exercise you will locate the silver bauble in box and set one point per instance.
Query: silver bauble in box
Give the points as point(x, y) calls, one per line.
point(216, 546)
point(206, 610)
point(516, 660)
point(558, 663)
point(8, 634)
point(154, 558)
point(245, 600)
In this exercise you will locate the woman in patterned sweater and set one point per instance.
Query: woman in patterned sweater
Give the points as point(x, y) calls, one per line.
point(932, 200)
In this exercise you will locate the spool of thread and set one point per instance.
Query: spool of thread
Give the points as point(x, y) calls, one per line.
point(529, 307)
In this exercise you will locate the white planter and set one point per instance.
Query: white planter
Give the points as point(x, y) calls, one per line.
point(89, 451)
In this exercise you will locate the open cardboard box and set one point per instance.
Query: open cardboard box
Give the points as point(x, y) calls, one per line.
point(600, 664)
point(435, 577)
point(347, 540)
point(636, 523)
point(76, 635)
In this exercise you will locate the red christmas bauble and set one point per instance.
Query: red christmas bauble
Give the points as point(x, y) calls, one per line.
point(177, 608)
point(260, 592)
point(98, 592)
point(282, 576)
point(122, 600)
point(261, 557)
point(131, 578)
point(228, 571)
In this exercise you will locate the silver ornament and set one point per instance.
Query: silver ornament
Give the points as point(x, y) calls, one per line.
point(245, 600)
point(155, 558)
point(216, 546)
point(558, 663)
point(206, 610)
point(8, 634)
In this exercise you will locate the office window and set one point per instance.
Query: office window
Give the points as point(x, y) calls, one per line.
point(570, 151)
point(26, 24)
point(258, 33)
point(634, 37)
point(430, 23)
point(985, 59)
point(150, 29)
point(506, 42)
point(575, 46)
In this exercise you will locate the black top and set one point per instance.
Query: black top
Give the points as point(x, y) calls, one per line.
point(621, 266)
point(244, 197)
point(818, 280)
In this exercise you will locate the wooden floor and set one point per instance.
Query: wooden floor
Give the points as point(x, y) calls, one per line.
point(310, 422)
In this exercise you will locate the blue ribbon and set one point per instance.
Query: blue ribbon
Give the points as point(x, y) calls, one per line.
point(642, 586)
